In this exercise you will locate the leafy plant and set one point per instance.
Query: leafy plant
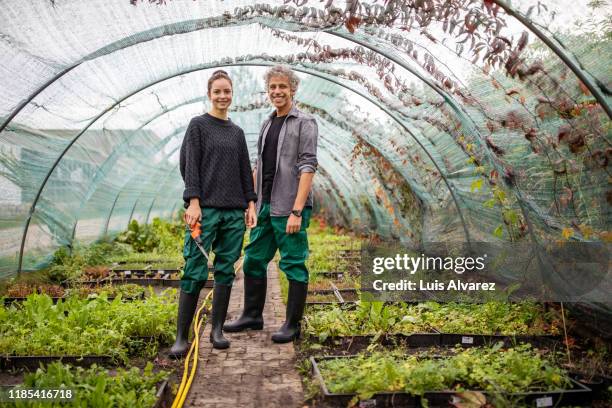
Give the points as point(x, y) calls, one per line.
point(95, 387)
point(77, 326)
point(377, 318)
point(513, 370)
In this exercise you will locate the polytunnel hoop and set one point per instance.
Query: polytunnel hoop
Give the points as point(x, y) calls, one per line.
point(264, 64)
point(560, 53)
point(107, 219)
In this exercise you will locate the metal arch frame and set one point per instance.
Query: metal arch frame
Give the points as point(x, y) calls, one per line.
point(107, 218)
point(206, 66)
point(569, 62)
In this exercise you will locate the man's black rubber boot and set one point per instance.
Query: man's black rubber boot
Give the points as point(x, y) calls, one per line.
point(187, 307)
point(221, 297)
point(296, 301)
point(254, 301)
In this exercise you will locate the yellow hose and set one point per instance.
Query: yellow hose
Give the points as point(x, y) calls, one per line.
point(186, 381)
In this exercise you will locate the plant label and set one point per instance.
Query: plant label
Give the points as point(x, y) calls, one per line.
point(367, 403)
point(544, 402)
point(467, 340)
point(127, 273)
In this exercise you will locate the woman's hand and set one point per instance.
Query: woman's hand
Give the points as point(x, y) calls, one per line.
point(250, 216)
point(193, 213)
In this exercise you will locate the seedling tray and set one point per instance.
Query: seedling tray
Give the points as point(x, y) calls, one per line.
point(477, 340)
point(331, 291)
point(331, 274)
point(163, 395)
point(578, 395)
point(336, 303)
point(358, 343)
point(173, 283)
point(33, 362)
point(10, 300)
point(144, 272)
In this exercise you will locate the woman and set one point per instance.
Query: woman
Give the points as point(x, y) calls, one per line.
point(216, 170)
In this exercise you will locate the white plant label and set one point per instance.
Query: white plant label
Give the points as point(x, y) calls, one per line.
point(544, 402)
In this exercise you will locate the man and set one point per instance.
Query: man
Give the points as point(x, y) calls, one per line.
point(286, 163)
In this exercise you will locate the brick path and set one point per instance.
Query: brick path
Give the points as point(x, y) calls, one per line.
point(253, 372)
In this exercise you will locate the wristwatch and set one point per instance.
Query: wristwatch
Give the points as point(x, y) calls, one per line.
point(297, 213)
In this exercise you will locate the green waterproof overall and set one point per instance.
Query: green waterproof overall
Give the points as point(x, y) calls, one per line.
point(223, 231)
point(268, 236)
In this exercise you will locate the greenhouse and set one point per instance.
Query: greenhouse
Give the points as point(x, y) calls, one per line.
point(450, 131)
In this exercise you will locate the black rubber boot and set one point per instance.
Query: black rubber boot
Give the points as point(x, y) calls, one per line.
point(254, 301)
point(296, 301)
point(187, 307)
point(221, 297)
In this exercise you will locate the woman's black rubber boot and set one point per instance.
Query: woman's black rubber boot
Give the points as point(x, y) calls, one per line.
point(254, 301)
point(221, 297)
point(296, 301)
point(187, 307)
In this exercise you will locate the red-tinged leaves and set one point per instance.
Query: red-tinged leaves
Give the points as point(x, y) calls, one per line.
point(564, 131)
point(498, 150)
point(522, 41)
point(352, 23)
point(584, 88)
point(509, 176)
point(531, 134)
point(600, 158)
point(565, 197)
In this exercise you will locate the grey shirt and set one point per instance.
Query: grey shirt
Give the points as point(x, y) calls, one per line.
point(296, 154)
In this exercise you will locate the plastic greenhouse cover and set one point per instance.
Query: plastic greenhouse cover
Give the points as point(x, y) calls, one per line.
point(440, 121)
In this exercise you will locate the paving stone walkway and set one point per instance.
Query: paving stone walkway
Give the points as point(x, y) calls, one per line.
point(253, 372)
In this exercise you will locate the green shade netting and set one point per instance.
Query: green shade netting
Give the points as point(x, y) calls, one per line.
point(453, 122)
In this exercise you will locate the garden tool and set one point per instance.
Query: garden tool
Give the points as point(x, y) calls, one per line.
point(195, 234)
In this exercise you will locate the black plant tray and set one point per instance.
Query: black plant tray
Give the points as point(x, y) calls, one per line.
point(336, 303)
point(331, 291)
point(331, 274)
point(477, 340)
point(11, 300)
point(174, 283)
point(33, 362)
point(164, 396)
point(358, 343)
point(578, 395)
point(143, 272)
point(171, 283)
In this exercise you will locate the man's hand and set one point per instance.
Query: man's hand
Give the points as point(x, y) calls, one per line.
point(193, 213)
point(293, 224)
point(250, 216)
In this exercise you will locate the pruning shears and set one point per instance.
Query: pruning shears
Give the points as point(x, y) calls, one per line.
point(195, 234)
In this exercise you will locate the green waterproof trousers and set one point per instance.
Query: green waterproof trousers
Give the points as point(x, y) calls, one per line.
point(223, 231)
point(268, 236)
